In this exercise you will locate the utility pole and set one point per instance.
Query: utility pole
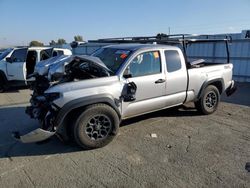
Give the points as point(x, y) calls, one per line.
point(168, 30)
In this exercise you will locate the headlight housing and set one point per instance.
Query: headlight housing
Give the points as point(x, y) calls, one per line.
point(52, 96)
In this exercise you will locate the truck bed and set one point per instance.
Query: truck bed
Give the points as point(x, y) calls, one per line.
point(206, 71)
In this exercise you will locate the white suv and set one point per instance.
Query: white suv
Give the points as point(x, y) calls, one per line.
point(17, 63)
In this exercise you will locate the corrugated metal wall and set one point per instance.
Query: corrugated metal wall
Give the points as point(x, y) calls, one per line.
point(240, 56)
point(214, 52)
point(87, 48)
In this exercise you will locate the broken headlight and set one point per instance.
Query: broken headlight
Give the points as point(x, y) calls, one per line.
point(52, 96)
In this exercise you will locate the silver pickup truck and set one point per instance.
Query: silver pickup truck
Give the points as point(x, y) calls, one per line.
point(88, 96)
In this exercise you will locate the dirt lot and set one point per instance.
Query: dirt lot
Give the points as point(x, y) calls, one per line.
point(190, 150)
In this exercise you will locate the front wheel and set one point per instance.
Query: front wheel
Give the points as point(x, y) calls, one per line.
point(96, 126)
point(209, 100)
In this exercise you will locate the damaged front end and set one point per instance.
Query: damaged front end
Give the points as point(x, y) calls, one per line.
point(42, 109)
point(49, 74)
point(45, 112)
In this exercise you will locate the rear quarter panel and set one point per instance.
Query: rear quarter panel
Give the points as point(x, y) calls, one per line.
point(198, 76)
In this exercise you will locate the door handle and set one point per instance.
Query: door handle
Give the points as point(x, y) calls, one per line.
point(160, 81)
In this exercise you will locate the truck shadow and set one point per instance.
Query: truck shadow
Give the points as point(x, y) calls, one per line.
point(179, 111)
point(241, 95)
point(16, 89)
point(15, 119)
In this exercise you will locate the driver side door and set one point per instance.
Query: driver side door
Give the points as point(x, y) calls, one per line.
point(147, 73)
point(16, 67)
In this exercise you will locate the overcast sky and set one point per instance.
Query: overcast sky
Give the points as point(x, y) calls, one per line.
point(44, 20)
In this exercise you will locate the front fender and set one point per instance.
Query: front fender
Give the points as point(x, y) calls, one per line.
point(85, 101)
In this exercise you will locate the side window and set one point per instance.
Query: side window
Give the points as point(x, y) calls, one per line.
point(19, 55)
point(173, 60)
point(146, 63)
point(57, 52)
point(60, 52)
point(45, 54)
point(54, 54)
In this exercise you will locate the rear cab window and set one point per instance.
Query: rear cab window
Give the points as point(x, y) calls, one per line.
point(173, 60)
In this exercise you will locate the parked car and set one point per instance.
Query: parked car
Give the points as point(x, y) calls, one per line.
point(17, 63)
point(86, 97)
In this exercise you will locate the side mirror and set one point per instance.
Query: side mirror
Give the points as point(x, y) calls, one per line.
point(130, 93)
point(9, 60)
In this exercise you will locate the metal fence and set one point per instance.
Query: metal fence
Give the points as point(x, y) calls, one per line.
point(239, 56)
point(87, 48)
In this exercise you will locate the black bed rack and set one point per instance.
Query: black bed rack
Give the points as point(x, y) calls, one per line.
point(182, 39)
point(164, 38)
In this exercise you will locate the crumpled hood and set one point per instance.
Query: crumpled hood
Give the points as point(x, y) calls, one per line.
point(42, 67)
point(57, 64)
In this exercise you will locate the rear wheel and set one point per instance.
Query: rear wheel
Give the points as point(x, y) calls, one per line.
point(96, 126)
point(209, 100)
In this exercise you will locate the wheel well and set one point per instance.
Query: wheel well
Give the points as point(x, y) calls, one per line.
point(3, 82)
point(71, 117)
point(218, 85)
point(3, 77)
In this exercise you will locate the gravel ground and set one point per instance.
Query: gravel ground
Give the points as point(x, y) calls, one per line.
point(190, 150)
point(16, 95)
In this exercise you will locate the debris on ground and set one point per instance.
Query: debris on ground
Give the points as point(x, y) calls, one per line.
point(153, 135)
point(169, 146)
point(247, 167)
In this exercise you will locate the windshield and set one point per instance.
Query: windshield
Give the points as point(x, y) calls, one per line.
point(113, 58)
point(5, 53)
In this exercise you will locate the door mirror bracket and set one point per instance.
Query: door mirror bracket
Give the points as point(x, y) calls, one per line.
point(126, 76)
point(127, 73)
point(130, 92)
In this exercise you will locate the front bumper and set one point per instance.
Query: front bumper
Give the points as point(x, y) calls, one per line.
point(231, 89)
point(36, 135)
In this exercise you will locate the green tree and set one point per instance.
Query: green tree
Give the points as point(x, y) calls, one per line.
point(52, 42)
point(78, 38)
point(61, 41)
point(36, 43)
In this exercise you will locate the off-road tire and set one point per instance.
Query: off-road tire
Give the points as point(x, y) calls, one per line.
point(97, 119)
point(209, 100)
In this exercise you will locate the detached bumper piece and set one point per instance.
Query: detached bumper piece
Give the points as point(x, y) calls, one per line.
point(36, 135)
point(231, 89)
